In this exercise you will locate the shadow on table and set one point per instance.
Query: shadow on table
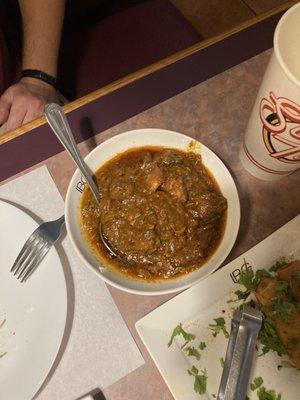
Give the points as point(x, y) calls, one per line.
point(96, 395)
point(70, 294)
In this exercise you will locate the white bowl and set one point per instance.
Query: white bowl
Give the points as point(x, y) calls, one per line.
point(152, 137)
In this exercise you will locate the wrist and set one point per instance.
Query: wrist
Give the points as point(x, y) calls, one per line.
point(41, 76)
point(37, 83)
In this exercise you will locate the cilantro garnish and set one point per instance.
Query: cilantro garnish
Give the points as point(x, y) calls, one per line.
point(283, 309)
point(250, 280)
point(218, 327)
point(281, 286)
point(222, 362)
point(202, 345)
point(200, 380)
point(264, 394)
point(279, 264)
point(178, 330)
point(257, 382)
point(269, 339)
point(193, 352)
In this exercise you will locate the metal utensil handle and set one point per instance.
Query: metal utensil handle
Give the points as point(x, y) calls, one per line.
point(236, 373)
point(58, 122)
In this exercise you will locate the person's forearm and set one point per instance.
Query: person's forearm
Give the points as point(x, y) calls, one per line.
point(42, 25)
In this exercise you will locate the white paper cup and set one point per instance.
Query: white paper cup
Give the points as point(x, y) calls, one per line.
point(271, 147)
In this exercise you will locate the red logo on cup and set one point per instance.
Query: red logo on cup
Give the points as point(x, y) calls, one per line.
point(281, 128)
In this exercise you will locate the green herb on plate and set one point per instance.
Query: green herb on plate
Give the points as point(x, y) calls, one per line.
point(257, 382)
point(281, 286)
point(250, 280)
point(218, 327)
point(202, 345)
point(222, 362)
point(283, 309)
point(264, 394)
point(200, 379)
point(269, 339)
point(193, 352)
point(279, 264)
point(178, 330)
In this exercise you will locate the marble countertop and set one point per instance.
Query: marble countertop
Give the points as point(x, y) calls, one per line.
point(214, 112)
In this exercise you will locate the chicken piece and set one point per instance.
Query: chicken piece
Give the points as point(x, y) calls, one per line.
point(266, 291)
point(288, 270)
point(154, 178)
point(291, 273)
point(175, 187)
point(210, 206)
point(289, 335)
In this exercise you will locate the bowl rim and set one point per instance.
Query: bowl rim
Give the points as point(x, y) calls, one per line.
point(140, 291)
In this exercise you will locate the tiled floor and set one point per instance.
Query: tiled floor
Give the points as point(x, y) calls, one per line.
point(215, 16)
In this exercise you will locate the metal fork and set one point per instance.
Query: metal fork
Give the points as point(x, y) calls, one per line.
point(36, 247)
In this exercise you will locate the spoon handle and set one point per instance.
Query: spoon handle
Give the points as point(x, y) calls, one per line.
point(58, 122)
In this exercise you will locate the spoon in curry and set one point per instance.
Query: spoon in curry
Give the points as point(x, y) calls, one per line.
point(58, 122)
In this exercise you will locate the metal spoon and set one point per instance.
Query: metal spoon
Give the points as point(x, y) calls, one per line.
point(58, 122)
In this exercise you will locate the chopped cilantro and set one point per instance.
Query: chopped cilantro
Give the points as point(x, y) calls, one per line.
point(214, 396)
point(218, 327)
point(269, 339)
point(178, 330)
point(193, 352)
point(250, 280)
point(2, 354)
point(281, 286)
point(264, 394)
point(279, 264)
point(246, 279)
point(283, 309)
point(200, 380)
point(242, 295)
point(222, 362)
point(202, 345)
point(257, 382)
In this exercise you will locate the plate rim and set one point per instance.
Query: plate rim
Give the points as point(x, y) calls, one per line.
point(43, 381)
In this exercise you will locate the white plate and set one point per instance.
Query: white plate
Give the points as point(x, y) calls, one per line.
point(35, 311)
point(197, 307)
point(141, 138)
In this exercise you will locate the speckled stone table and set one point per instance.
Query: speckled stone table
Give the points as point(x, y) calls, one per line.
point(216, 113)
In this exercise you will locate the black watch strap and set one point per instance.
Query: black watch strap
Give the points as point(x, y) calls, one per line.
point(42, 76)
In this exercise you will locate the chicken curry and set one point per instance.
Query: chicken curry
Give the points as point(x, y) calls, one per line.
point(160, 209)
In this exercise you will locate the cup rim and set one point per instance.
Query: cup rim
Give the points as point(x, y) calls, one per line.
point(276, 46)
